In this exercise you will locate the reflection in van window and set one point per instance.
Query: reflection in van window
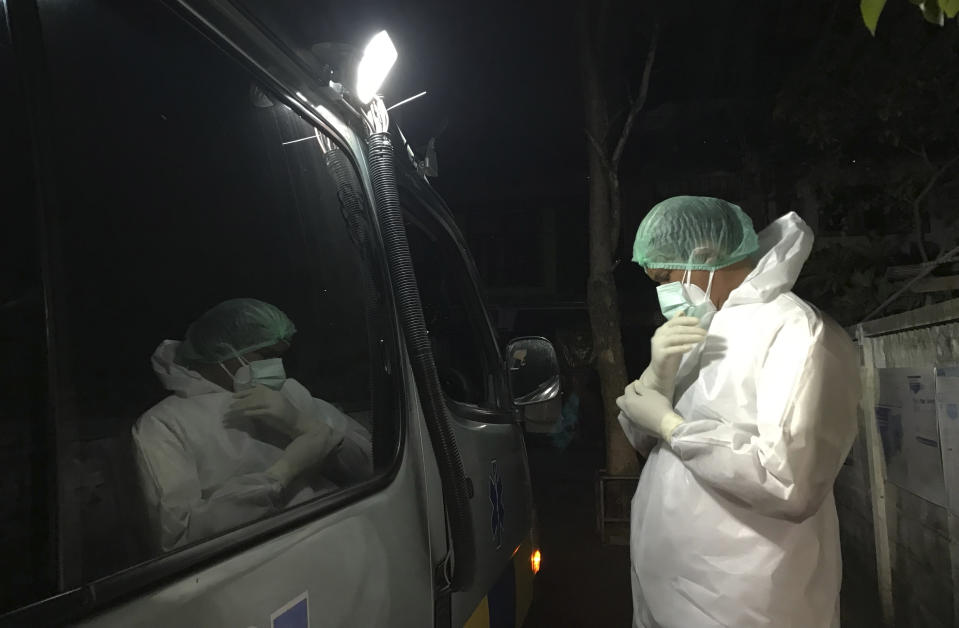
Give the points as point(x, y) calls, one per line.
point(204, 223)
point(237, 439)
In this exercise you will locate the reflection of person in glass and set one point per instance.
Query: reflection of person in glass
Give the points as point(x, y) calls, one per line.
point(237, 439)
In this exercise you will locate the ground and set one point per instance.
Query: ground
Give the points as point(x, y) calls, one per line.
point(582, 584)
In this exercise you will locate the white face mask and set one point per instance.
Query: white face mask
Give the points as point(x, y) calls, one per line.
point(684, 296)
point(269, 373)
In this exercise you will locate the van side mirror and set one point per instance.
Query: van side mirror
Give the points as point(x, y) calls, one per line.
point(533, 370)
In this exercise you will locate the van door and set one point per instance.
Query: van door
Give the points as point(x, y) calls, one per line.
point(175, 180)
point(473, 377)
point(27, 495)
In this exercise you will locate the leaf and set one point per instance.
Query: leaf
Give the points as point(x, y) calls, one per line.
point(871, 10)
point(949, 7)
point(932, 13)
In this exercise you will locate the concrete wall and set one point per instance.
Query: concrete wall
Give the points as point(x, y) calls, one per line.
point(900, 552)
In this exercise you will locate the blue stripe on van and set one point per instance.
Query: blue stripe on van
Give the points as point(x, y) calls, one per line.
point(502, 600)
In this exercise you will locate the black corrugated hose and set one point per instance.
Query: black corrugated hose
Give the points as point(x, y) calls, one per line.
point(438, 420)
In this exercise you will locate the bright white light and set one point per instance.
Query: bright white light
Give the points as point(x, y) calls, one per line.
point(378, 58)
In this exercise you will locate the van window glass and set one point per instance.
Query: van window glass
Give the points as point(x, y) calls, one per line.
point(220, 317)
point(453, 313)
point(25, 547)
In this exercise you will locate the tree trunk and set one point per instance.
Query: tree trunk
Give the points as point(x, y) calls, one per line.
point(601, 297)
point(610, 364)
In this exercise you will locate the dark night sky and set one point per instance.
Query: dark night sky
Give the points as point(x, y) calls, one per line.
point(504, 91)
point(505, 76)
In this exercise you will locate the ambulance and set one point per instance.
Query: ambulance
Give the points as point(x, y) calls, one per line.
point(163, 157)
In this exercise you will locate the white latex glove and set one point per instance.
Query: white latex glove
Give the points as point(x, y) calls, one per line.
point(304, 452)
point(649, 409)
point(669, 343)
point(269, 407)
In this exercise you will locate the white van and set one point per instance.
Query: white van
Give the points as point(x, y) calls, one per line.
point(161, 158)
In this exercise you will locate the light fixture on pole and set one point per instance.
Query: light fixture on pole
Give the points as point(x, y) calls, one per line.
point(378, 57)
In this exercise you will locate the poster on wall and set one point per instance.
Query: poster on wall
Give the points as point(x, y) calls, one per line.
point(947, 407)
point(906, 415)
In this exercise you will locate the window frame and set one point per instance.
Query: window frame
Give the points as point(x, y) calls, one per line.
point(24, 72)
point(97, 595)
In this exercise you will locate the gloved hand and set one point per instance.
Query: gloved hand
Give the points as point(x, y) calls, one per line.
point(269, 407)
point(650, 410)
point(306, 451)
point(669, 343)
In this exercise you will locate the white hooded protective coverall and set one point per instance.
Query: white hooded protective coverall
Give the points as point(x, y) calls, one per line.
point(733, 521)
point(200, 478)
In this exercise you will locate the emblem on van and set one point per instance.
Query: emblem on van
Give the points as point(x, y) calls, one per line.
point(497, 512)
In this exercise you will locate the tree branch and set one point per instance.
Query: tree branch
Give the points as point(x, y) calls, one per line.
point(615, 209)
point(916, 203)
point(599, 151)
point(920, 153)
point(935, 178)
point(614, 119)
point(639, 103)
point(612, 164)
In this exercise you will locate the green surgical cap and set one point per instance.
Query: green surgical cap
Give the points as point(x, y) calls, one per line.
point(694, 233)
point(233, 328)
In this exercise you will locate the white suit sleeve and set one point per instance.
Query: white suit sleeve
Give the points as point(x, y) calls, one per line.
point(782, 462)
point(178, 509)
point(352, 460)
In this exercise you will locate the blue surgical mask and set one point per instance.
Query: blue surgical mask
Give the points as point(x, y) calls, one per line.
point(672, 299)
point(680, 297)
point(269, 373)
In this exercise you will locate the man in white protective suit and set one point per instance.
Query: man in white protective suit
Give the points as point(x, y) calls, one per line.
point(746, 414)
point(237, 439)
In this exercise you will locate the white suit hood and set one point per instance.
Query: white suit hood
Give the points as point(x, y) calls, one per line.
point(733, 521)
point(176, 378)
point(784, 247)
